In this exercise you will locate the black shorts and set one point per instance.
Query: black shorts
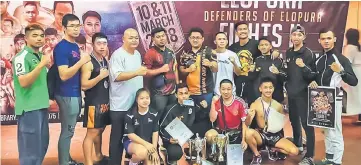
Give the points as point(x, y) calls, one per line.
point(96, 116)
point(270, 139)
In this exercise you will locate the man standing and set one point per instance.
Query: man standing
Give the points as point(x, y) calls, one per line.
point(32, 99)
point(126, 73)
point(228, 62)
point(247, 46)
point(299, 76)
point(161, 64)
point(95, 83)
point(69, 61)
point(333, 68)
point(199, 63)
point(267, 66)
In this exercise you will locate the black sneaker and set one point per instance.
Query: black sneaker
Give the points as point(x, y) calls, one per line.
point(282, 156)
point(73, 162)
point(272, 155)
point(104, 161)
point(257, 160)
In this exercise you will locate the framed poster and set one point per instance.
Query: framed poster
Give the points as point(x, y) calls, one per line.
point(321, 107)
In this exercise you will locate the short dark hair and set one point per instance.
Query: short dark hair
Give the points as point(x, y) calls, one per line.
point(80, 39)
point(33, 3)
point(98, 35)
point(196, 29)
point(266, 80)
point(91, 13)
point(56, 2)
point(239, 23)
point(32, 27)
point(9, 20)
point(226, 81)
point(263, 38)
point(180, 86)
point(67, 18)
point(215, 36)
point(50, 31)
point(325, 30)
point(352, 37)
point(19, 37)
point(157, 30)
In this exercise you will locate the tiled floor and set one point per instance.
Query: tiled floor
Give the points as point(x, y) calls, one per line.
point(9, 154)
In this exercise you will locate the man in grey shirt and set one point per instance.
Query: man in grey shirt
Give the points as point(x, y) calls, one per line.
point(126, 77)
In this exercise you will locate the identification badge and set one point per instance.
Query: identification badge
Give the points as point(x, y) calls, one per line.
point(188, 102)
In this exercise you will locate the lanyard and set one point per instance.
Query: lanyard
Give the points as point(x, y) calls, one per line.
point(102, 64)
point(266, 111)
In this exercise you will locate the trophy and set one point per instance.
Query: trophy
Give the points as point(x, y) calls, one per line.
point(221, 141)
point(198, 144)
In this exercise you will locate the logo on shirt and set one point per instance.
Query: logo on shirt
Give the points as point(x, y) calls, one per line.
point(150, 120)
point(235, 112)
point(106, 84)
point(136, 122)
point(126, 126)
point(190, 111)
point(75, 54)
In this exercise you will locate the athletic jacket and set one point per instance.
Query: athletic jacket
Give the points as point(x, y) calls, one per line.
point(327, 77)
point(186, 114)
point(299, 78)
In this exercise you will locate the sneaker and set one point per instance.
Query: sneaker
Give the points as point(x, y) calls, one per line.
point(282, 156)
point(257, 160)
point(325, 161)
point(73, 162)
point(306, 161)
point(272, 155)
point(103, 161)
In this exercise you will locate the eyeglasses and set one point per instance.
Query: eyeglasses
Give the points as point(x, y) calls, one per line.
point(75, 26)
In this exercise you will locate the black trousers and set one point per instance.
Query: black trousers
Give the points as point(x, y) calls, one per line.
point(116, 136)
point(298, 111)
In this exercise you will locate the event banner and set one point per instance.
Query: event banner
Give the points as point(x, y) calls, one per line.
point(267, 18)
point(321, 107)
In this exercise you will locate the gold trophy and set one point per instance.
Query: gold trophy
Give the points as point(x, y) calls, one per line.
point(221, 141)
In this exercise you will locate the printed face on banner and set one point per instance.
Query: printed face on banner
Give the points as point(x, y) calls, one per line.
point(150, 15)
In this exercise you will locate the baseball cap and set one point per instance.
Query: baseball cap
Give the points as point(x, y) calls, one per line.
point(298, 28)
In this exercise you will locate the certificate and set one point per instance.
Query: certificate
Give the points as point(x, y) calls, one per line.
point(276, 121)
point(178, 130)
point(234, 154)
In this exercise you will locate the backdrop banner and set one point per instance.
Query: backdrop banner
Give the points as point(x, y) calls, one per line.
point(272, 18)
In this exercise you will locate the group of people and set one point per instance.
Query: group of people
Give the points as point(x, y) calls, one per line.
point(214, 97)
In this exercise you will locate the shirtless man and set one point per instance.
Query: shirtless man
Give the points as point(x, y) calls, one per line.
point(259, 137)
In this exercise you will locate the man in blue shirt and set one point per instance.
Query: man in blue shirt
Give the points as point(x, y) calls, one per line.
point(69, 60)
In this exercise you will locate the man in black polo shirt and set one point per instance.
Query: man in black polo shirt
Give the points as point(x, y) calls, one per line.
point(161, 64)
point(300, 71)
point(245, 45)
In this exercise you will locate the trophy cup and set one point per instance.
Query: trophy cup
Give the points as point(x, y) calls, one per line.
point(198, 144)
point(221, 141)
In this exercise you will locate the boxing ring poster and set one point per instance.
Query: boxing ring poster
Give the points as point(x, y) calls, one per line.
point(273, 19)
point(321, 107)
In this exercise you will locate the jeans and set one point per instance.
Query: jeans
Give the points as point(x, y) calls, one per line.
point(33, 136)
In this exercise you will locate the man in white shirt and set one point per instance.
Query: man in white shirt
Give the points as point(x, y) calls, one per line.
point(228, 62)
point(126, 77)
